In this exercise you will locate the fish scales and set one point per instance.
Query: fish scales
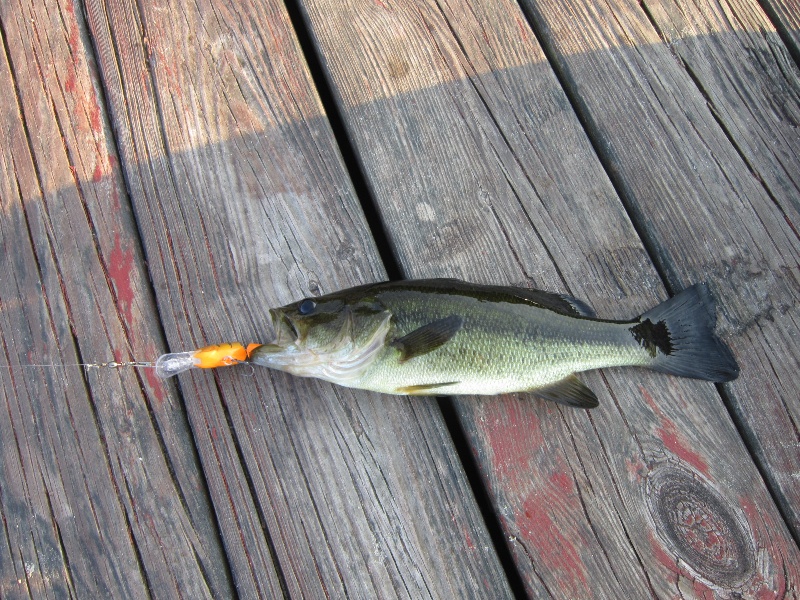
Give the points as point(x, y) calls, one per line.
point(501, 346)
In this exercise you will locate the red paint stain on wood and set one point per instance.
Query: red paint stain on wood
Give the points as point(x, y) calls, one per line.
point(74, 41)
point(155, 384)
point(95, 118)
point(672, 438)
point(524, 31)
point(754, 516)
point(120, 270)
point(701, 532)
point(511, 430)
point(779, 591)
point(563, 482)
point(701, 590)
point(675, 443)
point(554, 550)
point(70, 81)
point(75, 50)
point(468, 539)
point(663, 557)
point(636, 468)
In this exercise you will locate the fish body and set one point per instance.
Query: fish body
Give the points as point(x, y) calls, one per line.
point(444, 336)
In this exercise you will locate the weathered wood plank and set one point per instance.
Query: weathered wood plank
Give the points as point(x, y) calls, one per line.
point(749, 81)
point(243, 203)
point(727, 219)
point(753, 89)
point(481, 170)
point(785, 14)
point(100, 489)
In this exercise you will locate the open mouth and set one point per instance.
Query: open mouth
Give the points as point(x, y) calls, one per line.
point(285, 331)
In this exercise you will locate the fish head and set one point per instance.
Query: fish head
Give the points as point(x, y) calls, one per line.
point(311, 324)
point(333, 337)
point(327, 324)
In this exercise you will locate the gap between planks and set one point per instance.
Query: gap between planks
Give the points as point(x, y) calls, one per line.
point(332, 107)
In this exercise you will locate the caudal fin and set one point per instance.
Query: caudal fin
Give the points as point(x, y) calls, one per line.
point(679, 333)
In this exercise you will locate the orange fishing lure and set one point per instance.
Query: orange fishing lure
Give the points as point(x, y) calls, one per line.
point(209, 357)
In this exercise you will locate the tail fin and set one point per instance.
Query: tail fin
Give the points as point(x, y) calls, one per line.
point(679, 333)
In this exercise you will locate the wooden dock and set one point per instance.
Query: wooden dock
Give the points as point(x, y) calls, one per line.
point(171, 169)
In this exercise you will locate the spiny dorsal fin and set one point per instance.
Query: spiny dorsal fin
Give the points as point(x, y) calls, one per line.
point(560, 303)
point(428, 337)
point(570, 391)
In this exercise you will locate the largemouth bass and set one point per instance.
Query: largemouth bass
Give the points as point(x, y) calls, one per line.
point(448, 337)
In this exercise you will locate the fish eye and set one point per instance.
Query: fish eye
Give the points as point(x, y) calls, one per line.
point(306, 307)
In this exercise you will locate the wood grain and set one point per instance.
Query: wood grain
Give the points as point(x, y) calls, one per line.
point(785, 14)
point(728, 220)
point(243, 203)
point(749, 81)
point(488, 175)
point(101, 491)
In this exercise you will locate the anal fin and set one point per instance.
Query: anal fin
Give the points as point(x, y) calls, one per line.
point(570, 391)
point(423, 389)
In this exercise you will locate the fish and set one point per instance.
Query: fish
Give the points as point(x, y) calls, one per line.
point(450, 337)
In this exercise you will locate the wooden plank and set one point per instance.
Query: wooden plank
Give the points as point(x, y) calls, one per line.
point(100, 490)
point(243, 203)
point(785, 14)
point(728, 220)
point(752, 87)
point(481, 170)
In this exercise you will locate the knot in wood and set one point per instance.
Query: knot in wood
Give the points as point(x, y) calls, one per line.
point(700, 526)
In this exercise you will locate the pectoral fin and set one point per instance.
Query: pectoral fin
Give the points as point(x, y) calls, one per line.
point(570, 391)
point(428, 337)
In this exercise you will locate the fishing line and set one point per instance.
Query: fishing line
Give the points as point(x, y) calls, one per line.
point(168, 365)
point(104, 365)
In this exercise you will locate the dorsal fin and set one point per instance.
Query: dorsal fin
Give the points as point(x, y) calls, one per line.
point(561, 303)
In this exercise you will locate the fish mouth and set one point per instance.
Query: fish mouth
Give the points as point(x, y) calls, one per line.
point(285, 331)
point(285, 335)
